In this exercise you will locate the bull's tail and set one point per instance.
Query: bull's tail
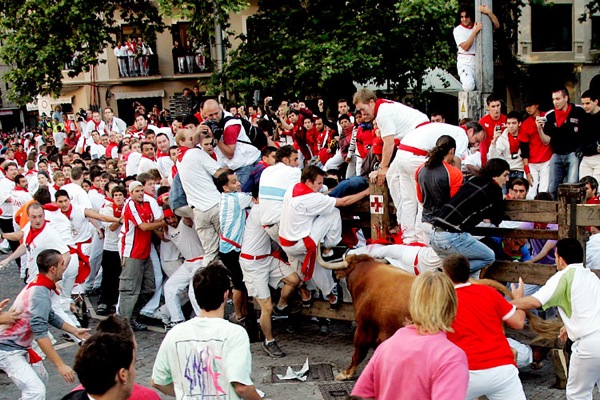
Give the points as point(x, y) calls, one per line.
point(546, 329)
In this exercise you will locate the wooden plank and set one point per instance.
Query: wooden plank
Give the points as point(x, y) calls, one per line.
point(320, 308)
point(569, 195)
point(380, 217)
point(544, 217)
point(588, 215)
point(508, 271)
point(515, 233)
point(533, 206)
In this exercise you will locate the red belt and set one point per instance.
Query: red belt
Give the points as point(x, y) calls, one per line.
point(231, 242)
point(195, 259)
point(414, 150)
point(308, 266)
point(423, 124)
point(84, 261)
point(251, 257)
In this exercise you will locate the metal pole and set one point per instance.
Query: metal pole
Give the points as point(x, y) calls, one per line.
point(485, 52)
point(218, 45)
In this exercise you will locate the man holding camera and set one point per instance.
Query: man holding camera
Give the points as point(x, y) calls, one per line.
point(233, 142)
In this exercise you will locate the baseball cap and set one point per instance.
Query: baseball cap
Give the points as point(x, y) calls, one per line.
point(133, 185)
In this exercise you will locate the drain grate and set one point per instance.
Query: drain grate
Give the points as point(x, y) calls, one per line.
point(316, 373)
point(336, 391)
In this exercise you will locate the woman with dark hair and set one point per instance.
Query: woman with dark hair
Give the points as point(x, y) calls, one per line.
point(478, 199)
point(437, 181)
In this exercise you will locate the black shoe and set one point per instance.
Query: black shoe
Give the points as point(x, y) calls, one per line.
point(337, 254)
point(137, 327)
point(307, 303)
point(171, 325)
point(281, 312)
point(102, 309)
point(272, 349)
point(339, 297)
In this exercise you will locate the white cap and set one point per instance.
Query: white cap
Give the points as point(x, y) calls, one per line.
point(133, 185)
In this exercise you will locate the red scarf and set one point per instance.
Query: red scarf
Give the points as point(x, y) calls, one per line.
point(97, 125)
point(109, 149)
point(51, 207)
point(33, 233)
point(378, 103)
point(561, 115)
point(117, 210)
point(173, 171)
point(31, 171)
point(151, 159)
point(100, 191)
point(214, 156)
point(181, 152)
point(160, 154)
point(55, 187)
point(514, 143)
point(19, 188)
point(69, 211)
point(43, 280)
point(467, 27)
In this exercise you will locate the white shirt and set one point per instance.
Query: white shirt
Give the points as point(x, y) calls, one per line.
point(120, 51)
point(59, 139)
point(133, 162)
point(48, 239)
point(116, 125)
point(91, 126)
point(461, 35)
point(78, 195)
point(592, 252)
point(256, 241)
point(7, 187)
point(196, 170)
point(146, 165)
point(425, 137)
point(245, 154)
point(165, 166)
point(274, 181)
point(111, 238)
point(186, 240)
point(501, 149)
point(62, 225)
point(396, 119)
point(298, 213)
point(96, 199)
point(82, 227)
point(576, 292)
point(97, 150)
point(19, 198)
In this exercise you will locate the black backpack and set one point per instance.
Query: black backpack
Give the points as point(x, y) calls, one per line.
point(257, 138)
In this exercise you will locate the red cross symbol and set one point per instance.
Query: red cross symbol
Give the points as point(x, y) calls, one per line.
point(376, 205)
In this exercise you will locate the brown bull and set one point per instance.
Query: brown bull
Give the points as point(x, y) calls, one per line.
point(380, 294)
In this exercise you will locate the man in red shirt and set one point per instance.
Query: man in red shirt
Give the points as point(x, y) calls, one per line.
point(535, 154)
point(137, 277)
point(491, 122)
point(478, 332)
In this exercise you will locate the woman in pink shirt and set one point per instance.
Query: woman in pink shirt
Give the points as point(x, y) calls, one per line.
point(419, 362)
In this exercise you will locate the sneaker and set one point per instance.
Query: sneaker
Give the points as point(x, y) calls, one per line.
point(102, 309)
point(234, 320)
point(280, 312)
point(171, 324)
point(137, 327)
point(272, 349)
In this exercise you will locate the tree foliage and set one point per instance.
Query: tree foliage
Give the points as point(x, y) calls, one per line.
point(306, 48)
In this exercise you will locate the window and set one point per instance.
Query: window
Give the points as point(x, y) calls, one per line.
point(138, 57)
point(189, 55)
point(595, 32)
point(552, 27)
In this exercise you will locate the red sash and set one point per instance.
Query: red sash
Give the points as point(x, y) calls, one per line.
point(84, 261)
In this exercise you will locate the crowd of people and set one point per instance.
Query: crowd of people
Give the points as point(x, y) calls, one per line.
point(238, 202)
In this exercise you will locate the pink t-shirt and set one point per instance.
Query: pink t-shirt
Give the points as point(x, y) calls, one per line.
point(413, 366)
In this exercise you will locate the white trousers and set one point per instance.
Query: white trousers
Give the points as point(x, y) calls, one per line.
point(412, 210)
point(326, 229)
point(393, 181)
point(499, 383)
point(540, 173)
point(154, 302)
point(68, 280)
point(175, 290)
point(466, 72)
point(334, 162)
point(30, 379)
point(405, 257)
point(584, 368)
point(95, 279)
point(590, 166)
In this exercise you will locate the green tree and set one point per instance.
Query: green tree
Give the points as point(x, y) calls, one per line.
point(319, 47)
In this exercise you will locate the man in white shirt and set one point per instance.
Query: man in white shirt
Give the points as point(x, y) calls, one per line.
point(95, 124)
point(76, 193)
point(307, 219)
point(274, 182)
point(133, 158)
point(148, 161)
point(7, 186)
point(112, 123)
point(196, 171)
point(163, 159)
point(575, 290)
point(395, 120)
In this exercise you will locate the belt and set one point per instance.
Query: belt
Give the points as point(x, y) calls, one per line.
point(414, 150)
point(308, 266)
point(251, 257)
point(423, 124)
point(195, 259)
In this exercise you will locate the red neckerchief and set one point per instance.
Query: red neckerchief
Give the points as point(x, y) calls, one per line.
point(213, 155)
point(33, 233)
point(467, 27)
point(300, 189)
point(31, 171)
point(100, 191)
point(43, 280)
point(97, 125)
point(181, 150)
point(173, 171)
point(160, 154)
point(55, 187)
point(514, 143)
point(561, 116)
point(69, 211)
point(151, 159)
point(378, 103)
point(117, 210)
point(19, 188)
point(51, 207)
point(261, 162)
point(109, 148)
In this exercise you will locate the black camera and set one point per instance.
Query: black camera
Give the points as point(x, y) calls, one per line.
point(217, 131)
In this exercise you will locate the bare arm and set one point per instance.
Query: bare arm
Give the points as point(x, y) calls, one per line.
point(246, 392)
point(96, 215)
point(386, 158)
point(548, 247)
point(14, 236)
point(484, 9)
point(227, 149)
point(166, 389)
point(353, 198)
point(16, 254)
point(65, 371)
point(545, 138)
point(151, 226)
point(466, 45)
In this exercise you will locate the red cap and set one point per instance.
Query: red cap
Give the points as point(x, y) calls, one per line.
point(168, 213)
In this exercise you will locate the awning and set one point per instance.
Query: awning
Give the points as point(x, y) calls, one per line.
point(139, 95)
point(439, 80)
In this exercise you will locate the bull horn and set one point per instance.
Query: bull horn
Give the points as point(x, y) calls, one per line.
point(329, 265)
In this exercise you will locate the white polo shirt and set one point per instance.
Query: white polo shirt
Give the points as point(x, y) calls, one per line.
point(78, 195)
point(146, 165)
point(48, 239)
point(196, 170)
point(274, 181)
point(256, 241)
point(461, 35)
point(298, 213)
point(133, 162)
point(396, 119)
point(425, 137)
point(576, 292)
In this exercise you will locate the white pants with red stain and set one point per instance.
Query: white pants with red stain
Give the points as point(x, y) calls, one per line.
point(403, 256)
point(31, 379)
point(412, 210)
point(326, 229)
point(179, 288)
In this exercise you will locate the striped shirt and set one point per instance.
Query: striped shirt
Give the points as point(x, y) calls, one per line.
point(232, 218)
point(136, 242)
point(274, 181)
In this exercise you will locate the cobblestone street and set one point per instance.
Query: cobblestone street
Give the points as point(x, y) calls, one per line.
point(327, 353)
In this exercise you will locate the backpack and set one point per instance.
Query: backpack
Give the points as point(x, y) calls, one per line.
point(257, 138)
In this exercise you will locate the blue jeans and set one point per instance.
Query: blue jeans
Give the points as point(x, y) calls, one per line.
point(563, 166)
point(353, 185)
point(447, 243)
point(243, 173)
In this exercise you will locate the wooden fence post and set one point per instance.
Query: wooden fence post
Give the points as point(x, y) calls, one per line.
point(569, 195)
point(379, 201)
